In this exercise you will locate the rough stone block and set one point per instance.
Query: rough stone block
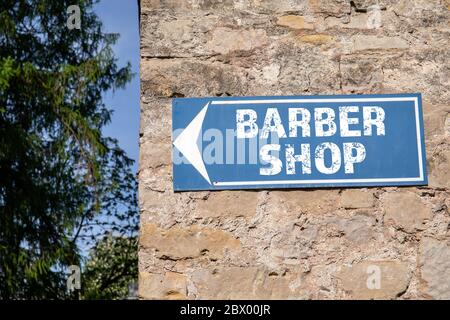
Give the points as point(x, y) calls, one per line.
point(226, 40)
point(294, 22)
point(375, 279)
point(307, 201)
point(243, 283)
point(440, 168)
point(356, 198)
point(434, 263)
point(370, 42)
point(228, 204)
point(170, 286)
point(406, 210)
point(187, 243)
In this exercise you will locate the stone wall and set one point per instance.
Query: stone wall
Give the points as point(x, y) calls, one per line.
point(364, 243)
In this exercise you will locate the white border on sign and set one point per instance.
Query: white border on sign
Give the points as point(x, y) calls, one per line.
point(418, 135)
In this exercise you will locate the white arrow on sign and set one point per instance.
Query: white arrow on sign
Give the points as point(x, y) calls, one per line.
point(186, 142)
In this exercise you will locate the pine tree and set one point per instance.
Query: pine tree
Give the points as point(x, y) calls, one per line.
point(63, 184)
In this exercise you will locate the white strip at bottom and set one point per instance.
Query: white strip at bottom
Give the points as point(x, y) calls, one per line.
point(256, 183)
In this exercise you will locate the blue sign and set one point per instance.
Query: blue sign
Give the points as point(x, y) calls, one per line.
point(298, 142)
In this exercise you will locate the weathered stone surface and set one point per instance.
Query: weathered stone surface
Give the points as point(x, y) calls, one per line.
point(175, 77)
point(158, 178)
point(440, 168)
point(271, 73)
point(315, 38)
point(156, 124)
point(367, 4)
point(171, 286)
point(367, 42)
point(263, 6)
point(228, 204)
point(436, 120)
point(361, 74)
point(155, 154)
point(226, 40)
point(226, 283)
point(292, 243)
point(430, 12)
point(243, 283)
point(305, 67)
point(358, 229)
point(406, 210)
point(187, 243)
point(434, 264)
point(357, 198)
point(155, 201)
point(188, 5)
point(327, 7)
point(421, 71)
point(177, 30)
point(294, 22)
point(302, 201)
point(375, 279)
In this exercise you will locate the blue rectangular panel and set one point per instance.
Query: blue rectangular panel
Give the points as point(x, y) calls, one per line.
point(298, 142)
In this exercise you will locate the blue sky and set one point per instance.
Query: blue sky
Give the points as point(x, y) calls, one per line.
point(121, 16)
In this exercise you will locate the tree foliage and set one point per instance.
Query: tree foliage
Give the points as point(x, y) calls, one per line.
point(111, 268)
point(63, 184)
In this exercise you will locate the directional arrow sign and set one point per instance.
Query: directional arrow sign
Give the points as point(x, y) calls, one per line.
point(298, 142)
